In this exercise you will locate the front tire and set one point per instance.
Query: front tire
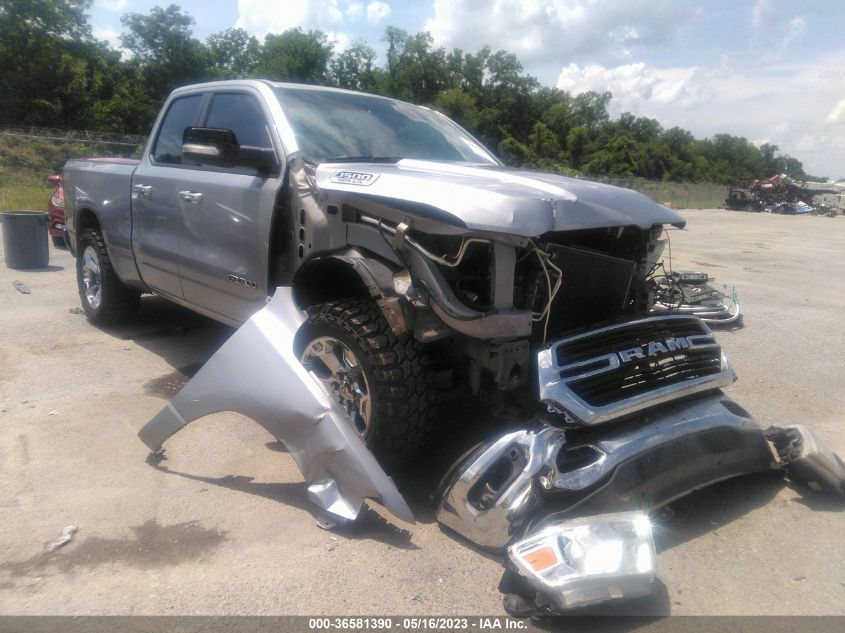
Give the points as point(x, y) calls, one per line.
point(105, 300)
point(383, 380)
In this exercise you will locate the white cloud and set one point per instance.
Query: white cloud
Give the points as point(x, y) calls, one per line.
point(788, 105)
point(837, 115)
point(809, 143)
point(112, 5)
point(634, 86)
point(543, 29)
point(762, 13)
point(354, 9)
point(339, 40)
point(775, 29)
point(108, 34)
point(260, 17)
point(377, 11)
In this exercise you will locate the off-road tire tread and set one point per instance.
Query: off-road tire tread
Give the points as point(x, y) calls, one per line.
point(405, 398)
point(119, 304)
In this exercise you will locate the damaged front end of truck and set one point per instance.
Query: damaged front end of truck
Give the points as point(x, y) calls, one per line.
point(531, 291)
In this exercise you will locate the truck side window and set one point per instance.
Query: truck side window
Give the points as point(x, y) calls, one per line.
point(180, 114)
point(242, 114)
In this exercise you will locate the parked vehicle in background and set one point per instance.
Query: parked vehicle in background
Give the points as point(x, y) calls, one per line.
point(56, 212)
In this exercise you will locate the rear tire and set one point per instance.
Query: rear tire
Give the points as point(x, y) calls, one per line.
point(397, 376)
point(105, 299)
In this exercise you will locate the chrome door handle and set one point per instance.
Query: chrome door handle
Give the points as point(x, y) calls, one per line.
point(142, 190)
point(191, 196)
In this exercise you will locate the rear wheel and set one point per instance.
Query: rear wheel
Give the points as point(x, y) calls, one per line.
point(383, 380)
point(105, 299)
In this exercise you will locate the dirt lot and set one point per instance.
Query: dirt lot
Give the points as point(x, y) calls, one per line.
point(224, 527)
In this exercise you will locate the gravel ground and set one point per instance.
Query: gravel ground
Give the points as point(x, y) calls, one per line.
point(224, 526)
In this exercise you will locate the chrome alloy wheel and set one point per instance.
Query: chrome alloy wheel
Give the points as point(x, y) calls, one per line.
point(336, 366)
point(91, 277)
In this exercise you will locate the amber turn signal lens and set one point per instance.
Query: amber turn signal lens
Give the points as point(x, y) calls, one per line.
point(541, 559)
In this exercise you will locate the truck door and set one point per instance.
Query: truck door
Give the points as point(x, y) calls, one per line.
point(156, 220)
point(226, 216)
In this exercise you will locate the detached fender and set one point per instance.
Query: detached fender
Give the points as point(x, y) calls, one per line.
point(257, 373)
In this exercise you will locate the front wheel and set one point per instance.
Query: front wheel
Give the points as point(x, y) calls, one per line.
point(384, 381)
point(105, 299)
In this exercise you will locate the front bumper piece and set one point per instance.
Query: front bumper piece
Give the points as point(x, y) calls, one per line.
point(636, 465)
point(532, 492)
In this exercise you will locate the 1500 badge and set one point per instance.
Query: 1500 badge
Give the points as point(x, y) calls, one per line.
point(242, 282)
point(354, 178)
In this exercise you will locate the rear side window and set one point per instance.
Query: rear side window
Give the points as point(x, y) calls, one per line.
point(242, 114)
point(180, 115)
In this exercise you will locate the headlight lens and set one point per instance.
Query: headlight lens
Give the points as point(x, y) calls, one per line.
point(588, 560)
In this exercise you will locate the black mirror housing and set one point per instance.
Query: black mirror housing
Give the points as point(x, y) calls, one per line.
point(219, 147)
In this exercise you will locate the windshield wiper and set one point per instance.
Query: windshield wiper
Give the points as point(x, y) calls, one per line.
point(363, 159)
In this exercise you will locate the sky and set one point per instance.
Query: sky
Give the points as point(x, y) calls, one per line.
point(769, 70)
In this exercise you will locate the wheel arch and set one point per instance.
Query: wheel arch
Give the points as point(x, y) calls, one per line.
point(86, 218)
point(348, 274)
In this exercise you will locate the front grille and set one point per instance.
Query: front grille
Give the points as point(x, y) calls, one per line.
point(620, 369)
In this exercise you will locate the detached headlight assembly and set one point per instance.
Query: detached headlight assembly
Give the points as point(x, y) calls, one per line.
point(588, 560)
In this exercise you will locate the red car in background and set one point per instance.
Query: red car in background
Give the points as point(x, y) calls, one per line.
point(56, 212)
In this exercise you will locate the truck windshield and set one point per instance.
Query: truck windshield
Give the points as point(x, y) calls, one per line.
point(336, 125)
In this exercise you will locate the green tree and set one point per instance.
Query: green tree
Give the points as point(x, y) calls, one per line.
point(51, 70)
point(234, 53)
point(577, 143)
point(458, 105)
point(295, 55)
point(543, 142)
point(355, 68)
point(53, 73)
point(416, 70)
point(164, 53)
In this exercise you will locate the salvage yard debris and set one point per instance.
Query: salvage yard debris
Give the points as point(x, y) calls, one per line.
point(21, 287)
point(684, 292)
point(785, 195)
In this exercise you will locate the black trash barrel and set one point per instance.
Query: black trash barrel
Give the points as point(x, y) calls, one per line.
point(25, 239)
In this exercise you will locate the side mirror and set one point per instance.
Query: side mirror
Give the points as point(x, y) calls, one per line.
point(210, 146)
point(219, 147)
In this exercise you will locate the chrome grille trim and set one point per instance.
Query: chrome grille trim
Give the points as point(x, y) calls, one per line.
point(654, 360)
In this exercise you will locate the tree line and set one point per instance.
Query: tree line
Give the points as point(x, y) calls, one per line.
point(54, 73)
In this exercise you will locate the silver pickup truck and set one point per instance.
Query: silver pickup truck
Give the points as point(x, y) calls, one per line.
point(374, 257)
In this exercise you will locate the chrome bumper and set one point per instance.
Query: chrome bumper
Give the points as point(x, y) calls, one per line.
point(547, 473)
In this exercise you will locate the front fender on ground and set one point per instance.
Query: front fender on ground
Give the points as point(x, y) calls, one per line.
point(258, 374)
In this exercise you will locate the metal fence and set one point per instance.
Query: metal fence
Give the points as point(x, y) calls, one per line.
point(30, 152)
point(75, 136)
point(678, 195)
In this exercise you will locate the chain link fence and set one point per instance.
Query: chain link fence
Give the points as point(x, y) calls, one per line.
point(678, 195)
point(29, 154)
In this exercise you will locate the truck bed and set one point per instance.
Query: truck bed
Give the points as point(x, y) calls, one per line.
point(103, 185)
